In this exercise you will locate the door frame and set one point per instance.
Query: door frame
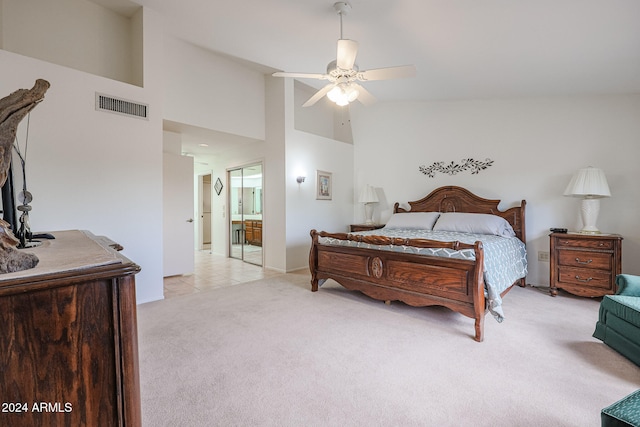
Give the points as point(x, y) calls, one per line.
point(200, 210)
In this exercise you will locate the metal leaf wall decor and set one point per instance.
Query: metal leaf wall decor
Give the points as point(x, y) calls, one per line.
point(453, 168)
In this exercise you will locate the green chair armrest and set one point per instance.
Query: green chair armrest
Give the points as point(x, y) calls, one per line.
point(628, 284)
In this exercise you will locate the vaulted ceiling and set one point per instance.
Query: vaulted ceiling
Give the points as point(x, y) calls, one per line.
point(463, 49)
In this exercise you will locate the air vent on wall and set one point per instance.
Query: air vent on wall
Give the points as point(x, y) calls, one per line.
point(121, 106)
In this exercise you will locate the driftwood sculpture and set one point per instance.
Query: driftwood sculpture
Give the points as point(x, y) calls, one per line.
point(13, 109)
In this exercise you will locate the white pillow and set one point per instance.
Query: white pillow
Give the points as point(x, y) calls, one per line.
point(413, 220)
point(474, 223)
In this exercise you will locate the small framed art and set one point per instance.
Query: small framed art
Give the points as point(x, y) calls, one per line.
point(218, 186)
point(323, 185)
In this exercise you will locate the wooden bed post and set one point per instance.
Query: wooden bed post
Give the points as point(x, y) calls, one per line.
point(523, 237)
point(313, 261)
point(479, 301)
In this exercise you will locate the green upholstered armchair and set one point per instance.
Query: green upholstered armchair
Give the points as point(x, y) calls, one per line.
point(618, 324)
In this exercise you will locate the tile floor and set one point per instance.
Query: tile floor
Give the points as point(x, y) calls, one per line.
point(214, 271)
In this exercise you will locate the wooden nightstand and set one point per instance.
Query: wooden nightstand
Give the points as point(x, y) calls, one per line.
point(585, 264)
point(365, 227)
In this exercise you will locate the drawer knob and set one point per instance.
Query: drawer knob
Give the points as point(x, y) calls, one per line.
point(578, 278)
point(583, 262)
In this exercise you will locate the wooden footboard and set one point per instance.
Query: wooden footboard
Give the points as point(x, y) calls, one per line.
point(417, 280)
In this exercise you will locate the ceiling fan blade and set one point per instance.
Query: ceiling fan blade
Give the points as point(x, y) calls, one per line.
point(347, 52)
point(301, 75)
point(318, 95)
point(364, 96)
point(387, 73)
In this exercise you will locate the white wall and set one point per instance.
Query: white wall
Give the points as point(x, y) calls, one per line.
point(278, 93)
point(536, 145)
point(172, 143)
point(308, 153)
point(93, 170)
point(211, 91)
point(74, 33)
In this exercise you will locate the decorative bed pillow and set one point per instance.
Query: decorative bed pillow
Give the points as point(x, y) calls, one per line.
point(413, 220)
point(474, 223)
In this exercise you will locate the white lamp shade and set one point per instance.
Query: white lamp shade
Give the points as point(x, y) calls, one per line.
point(368, 195)
point(588, 183)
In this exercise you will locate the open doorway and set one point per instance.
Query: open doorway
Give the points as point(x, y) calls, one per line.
point(245, 213)
point(205, 212)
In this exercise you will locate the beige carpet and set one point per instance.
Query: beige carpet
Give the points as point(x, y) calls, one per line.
point(272, 353)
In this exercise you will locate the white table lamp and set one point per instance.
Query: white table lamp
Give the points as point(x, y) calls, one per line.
point(591, 185)
point(368, 196)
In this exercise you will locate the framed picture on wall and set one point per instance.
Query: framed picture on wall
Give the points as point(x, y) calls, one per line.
point(218, 186)
point(323, 185)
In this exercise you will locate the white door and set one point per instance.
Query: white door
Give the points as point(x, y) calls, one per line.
point(178, 204)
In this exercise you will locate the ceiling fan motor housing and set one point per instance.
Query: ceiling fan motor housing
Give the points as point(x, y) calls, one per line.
point(342, 7)
point(335, 72)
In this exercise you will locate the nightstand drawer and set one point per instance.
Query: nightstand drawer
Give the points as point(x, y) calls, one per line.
point(584, 259)
point(585, 277)
point(583, 243)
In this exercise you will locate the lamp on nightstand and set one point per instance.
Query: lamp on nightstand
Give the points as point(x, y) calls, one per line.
point(368, 196)
point(591, 185)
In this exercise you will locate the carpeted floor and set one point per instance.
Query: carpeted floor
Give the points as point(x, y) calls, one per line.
point(272, 353)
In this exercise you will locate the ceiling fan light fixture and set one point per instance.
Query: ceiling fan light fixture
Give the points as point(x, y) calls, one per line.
point(343, 93)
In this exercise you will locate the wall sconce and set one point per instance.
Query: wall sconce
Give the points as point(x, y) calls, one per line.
point(591, 185)
point(300, 179)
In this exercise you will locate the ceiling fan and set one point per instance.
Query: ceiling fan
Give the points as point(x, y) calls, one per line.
point(343, 73)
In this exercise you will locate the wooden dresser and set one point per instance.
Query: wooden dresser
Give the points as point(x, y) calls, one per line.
point(69, 345)
point(585, 264)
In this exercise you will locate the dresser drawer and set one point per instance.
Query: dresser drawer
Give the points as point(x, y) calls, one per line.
point(585, 259)
point(584, 243)
point(585, 277)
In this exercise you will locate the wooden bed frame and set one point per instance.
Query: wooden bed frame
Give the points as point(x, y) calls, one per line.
point(417, 280)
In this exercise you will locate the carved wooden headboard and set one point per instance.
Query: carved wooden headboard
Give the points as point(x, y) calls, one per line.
point(458, 199)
